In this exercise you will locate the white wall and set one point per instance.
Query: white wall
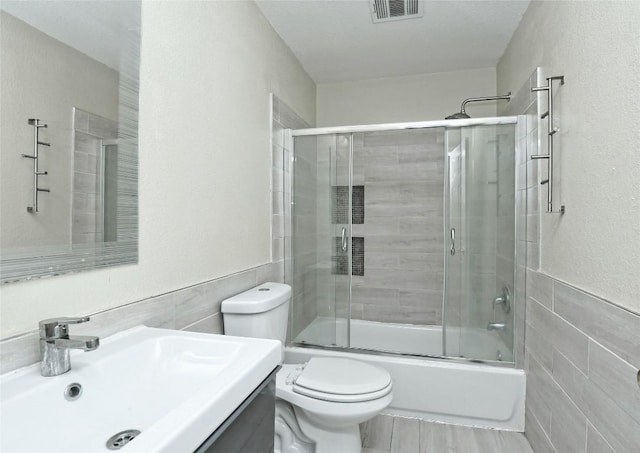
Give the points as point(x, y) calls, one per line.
point(596, 46)
point(43, 78)
point(206, 72)
point(420, 97)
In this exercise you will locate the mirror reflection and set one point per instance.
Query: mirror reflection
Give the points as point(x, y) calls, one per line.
point(68, 142)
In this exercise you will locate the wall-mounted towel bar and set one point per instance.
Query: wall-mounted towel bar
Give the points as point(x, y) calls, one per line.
point(551, 132)
point(35, 122)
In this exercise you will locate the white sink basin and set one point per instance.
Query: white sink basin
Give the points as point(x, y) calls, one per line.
point(174, 387)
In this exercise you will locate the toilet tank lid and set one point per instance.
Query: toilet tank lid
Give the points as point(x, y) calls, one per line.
point(258, 300)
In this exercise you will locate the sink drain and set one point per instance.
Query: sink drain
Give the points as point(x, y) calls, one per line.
point(73, 392)
point(117, 441)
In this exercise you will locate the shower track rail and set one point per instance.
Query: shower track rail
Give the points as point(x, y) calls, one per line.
point(449, 124)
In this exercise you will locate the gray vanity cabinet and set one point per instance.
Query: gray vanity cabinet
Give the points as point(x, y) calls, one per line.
point(250, 428)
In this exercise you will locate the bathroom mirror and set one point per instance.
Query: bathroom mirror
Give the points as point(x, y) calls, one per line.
point(68, 136)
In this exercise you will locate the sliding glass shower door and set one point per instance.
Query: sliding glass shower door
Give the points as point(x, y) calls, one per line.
point(403, 239)
point(480, 228)
point(321, 240)
point(397, 283)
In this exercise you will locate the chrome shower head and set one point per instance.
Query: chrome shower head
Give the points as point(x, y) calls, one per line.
point(457, 116)
point(463, 115)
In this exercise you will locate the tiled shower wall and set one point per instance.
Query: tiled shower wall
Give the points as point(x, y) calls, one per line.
point(398, 229)
point(400, 177)
point(508, 215)
point(481, 207)
point(331, 217)
point(304, 263)
point(403, 177)
point(88, 173)
point(582, 353)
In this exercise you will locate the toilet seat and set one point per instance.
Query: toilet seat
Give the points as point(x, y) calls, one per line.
point(333, 398)
point(327, 381)
point(341, 380)
point(322, 410)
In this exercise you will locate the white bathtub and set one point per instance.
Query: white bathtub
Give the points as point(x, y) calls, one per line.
point(438, 390)
point(407, 338)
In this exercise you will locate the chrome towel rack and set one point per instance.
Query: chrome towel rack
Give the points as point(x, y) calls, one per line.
point(551, 132)
point(37, 125)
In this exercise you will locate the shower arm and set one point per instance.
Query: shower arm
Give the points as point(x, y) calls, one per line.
point(485, 98)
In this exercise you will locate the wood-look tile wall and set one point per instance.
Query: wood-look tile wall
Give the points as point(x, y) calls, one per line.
point(581, 352)
point(403, 177)
point(582, 361)
point(90, 130)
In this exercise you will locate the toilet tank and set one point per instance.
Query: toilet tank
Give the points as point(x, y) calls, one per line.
point(261, 312)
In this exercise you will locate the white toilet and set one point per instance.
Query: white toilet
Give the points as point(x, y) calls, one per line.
point(330, 396)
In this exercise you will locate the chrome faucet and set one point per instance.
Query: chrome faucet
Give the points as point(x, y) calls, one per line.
point(497, 326)
point(504, 299)
point(55, 344)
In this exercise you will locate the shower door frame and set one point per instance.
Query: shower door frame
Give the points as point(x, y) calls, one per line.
point(518, 121)
point(447, 124)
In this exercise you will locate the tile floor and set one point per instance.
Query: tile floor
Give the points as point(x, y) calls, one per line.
point(386, 434)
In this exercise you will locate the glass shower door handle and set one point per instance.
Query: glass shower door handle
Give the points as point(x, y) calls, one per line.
point(453, 241)
point(344, 239)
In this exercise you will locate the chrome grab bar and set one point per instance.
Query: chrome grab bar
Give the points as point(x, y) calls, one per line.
point(453, 241)
point(344, 239)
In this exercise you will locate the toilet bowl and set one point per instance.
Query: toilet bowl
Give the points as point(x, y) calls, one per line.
point(329, 396)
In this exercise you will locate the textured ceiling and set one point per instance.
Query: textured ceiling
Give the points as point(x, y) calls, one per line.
point(337, 40)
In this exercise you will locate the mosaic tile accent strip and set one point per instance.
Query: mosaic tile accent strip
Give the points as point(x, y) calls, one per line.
point(340, 199)
point(340, 260)
point(357, 206)
point(341, 204)
point(357, 256)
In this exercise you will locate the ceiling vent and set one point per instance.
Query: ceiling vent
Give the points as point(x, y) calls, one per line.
point(388, 10)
